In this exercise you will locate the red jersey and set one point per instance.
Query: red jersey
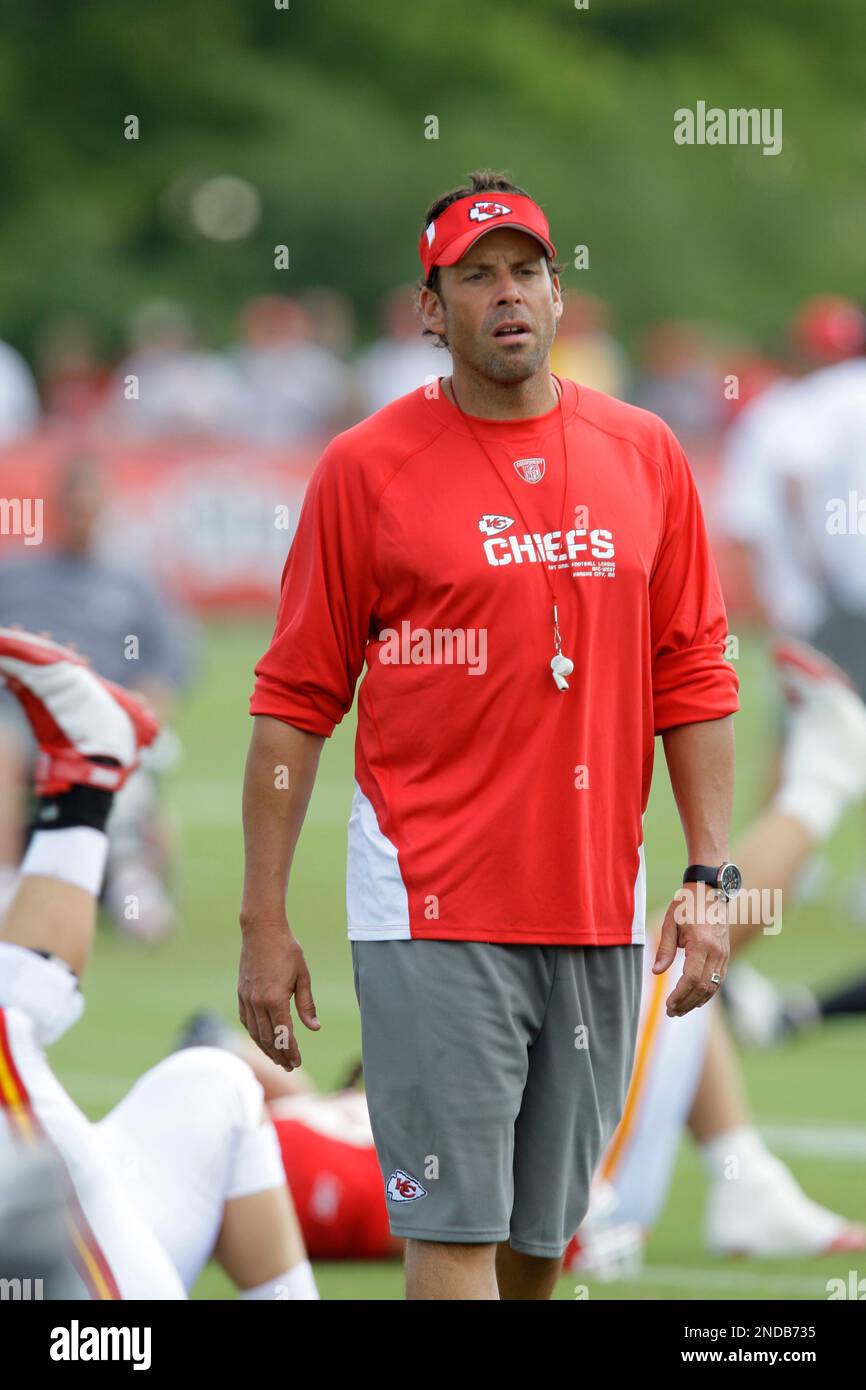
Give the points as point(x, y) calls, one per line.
point(490, 805)
point(334, 1176)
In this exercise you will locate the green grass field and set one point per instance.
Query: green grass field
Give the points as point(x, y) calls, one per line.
point(137, 997)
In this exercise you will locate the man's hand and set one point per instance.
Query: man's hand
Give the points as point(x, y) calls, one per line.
point(272, 970)
point(697, 921)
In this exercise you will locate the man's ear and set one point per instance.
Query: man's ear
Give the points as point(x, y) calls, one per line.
point(432, 309)
point(557, 297)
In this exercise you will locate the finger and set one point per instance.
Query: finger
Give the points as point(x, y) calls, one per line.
point(688, 989)
point(717, 964)
point(701, 990)
point(253, 1025)
point(697, 951)
point(295, 1058)
point(260, 1031)
point(242, 1011)
point(714, 942)
point(667, 947)
point(676, 1003)
point(304, 1002)
point(284, 1044)
point(692, 999)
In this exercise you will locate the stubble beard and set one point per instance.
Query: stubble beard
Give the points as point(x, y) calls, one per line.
point(511, 368)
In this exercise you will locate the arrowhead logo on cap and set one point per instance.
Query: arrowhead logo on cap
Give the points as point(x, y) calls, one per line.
point(482, 212)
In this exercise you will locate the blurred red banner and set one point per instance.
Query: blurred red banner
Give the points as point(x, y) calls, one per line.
point(212, 521)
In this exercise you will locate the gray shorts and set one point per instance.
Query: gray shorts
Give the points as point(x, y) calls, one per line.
point(495, 1077)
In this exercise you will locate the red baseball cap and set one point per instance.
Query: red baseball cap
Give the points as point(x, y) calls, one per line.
point(829, 328)
point(451, 234)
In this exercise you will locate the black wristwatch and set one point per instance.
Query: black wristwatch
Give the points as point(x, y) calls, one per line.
point(726, 878)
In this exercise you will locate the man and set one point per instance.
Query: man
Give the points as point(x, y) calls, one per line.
point(687, 1073)
point(524, 567)
point(790, 464)
point(794, 474)
point(399, 359)
point(19, 397)
point(187, 1165)
point(120, 620)
point(293, 389)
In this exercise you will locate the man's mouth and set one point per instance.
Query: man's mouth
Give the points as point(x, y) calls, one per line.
point(513, 330)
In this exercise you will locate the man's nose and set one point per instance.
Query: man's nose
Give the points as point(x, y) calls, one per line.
point(506, 288)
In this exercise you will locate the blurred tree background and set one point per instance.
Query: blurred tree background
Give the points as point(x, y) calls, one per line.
point(319, 109)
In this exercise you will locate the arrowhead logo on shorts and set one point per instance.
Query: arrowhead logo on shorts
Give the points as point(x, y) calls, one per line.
point(482, 212)
point(400, 1187)
point(530, 470)
point(491, 524)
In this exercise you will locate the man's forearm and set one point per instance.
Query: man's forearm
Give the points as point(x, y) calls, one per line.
point(280, 772)
point(700, 760)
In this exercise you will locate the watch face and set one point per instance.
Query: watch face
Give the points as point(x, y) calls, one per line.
point(730, 880)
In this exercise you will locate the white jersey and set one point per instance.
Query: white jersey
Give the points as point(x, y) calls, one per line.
point(794, 472)
point(392, 367)
point(19, 399)
point(828, 458)
point(113, 1251)
point(146, 1187)
point(756, 506)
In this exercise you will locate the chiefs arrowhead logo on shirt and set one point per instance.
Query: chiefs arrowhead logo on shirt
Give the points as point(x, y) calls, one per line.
point(482, 212)
point(530, 470)
point(401, 1187)
point(491, 524)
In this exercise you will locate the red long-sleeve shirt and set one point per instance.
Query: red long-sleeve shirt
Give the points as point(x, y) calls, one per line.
point(489, 805)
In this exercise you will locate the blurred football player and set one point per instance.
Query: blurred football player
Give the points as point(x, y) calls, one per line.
point(113, 614)
point(187, 1165)
point(689, 1074)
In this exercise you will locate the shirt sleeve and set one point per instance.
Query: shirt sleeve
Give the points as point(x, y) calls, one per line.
point(691, 679)
point(307, 676)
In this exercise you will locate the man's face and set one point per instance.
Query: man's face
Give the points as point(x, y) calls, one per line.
point(79, 508)
point(498, 306)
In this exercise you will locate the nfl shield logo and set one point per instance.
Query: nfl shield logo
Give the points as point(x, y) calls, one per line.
point(530, 470)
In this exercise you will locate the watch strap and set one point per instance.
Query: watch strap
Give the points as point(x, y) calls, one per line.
point(702, 873)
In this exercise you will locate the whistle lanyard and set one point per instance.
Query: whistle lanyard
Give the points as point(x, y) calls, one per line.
point(560, 665)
